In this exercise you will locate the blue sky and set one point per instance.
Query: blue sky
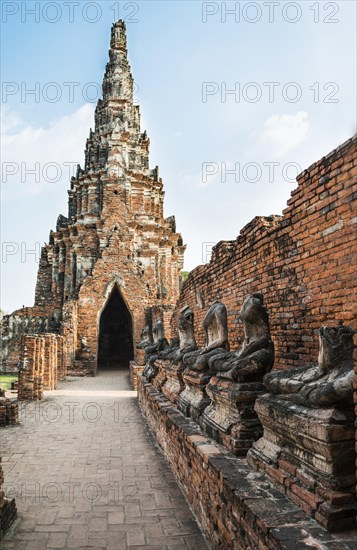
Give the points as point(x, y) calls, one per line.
point(184, 56)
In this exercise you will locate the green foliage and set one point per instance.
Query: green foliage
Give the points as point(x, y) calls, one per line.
point(6, 379)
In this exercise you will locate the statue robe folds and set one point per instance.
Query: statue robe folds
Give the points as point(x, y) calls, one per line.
point(152, 352)
point(173, 360)
point(237, 381)
point(194, 399)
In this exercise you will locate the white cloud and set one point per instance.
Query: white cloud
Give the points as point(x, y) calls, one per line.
point(42, 150)
point(9, 120)
point(187, 181)
point(286, 132)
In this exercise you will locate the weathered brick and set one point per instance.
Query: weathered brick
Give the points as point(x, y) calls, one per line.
point(310, 498)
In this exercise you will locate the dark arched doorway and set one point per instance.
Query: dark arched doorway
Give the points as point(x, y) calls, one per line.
point(115, 346)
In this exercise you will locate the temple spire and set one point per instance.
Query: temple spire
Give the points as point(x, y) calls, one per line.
point(118, 82)
point(118, 36)
point(117, 119)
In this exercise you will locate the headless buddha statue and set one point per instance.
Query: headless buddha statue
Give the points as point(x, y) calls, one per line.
point(216, 338)
point(256, 357)
point(326, 384)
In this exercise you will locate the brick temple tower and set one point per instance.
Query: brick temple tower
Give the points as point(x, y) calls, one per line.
point(114, 257)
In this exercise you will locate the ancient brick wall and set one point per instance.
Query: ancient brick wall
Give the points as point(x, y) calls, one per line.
point(30, 384)
point(41, 365)
point(69, 331)
point(355, 404)
point(61, 358)
point(43, 295)
point(135, 373)
point(237, 507)
point(29, 320)
point(303, 262)
point(50, 362)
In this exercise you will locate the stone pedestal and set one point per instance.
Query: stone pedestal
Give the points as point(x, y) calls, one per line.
point(139, 357)
point(160, 378)
point(230, 418)
point(83, 365)
point(310, 454)
point(135, 373)
point(194, 399)
point(174, 384)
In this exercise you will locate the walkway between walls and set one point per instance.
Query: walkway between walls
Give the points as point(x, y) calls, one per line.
point(87, 474)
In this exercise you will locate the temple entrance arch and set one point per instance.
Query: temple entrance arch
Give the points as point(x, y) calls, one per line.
point(115, 339)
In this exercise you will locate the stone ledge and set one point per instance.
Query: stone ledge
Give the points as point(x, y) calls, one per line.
point(237, 507)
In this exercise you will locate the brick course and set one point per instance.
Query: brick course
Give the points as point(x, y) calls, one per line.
point(303, 262)
point(237, 507)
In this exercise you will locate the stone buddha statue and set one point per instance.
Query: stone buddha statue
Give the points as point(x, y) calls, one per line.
point(187, 341)
point(326, 384)
point(145, 338)
point(170, 351)
point(309, 423)
point(153, 352)
point(216, 338)
point(193, 398)
point(172, 363)
point(256, 356)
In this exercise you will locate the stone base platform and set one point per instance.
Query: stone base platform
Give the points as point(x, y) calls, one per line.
point(174, 384)
point(194, 399)
point(237, 507)
point(82, 367)
point(135, 373)
point(309, 453)
point(230, 419)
